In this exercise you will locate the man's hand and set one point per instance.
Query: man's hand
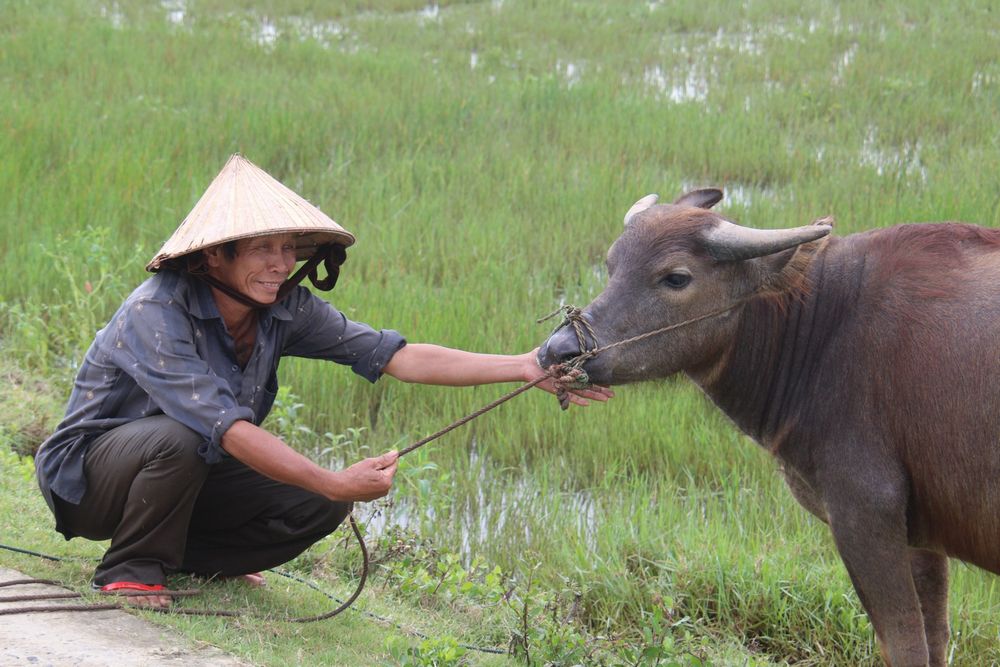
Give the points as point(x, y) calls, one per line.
point(268, 455)
point(365, 480)
point(576, 396)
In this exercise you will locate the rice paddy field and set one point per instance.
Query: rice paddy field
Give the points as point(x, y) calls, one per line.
point(484, 153)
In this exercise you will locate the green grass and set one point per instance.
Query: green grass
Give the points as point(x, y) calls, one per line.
point(482, 197)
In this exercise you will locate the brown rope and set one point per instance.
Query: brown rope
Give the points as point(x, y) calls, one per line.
point(69, 595)
point(481, 411)
point(19, 582)
point(357, 591)
point(9, 611)
point(59, 607)
point(589, 354)
point(170, 610)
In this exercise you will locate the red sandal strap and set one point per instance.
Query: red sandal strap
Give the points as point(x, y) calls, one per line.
point(131, 586)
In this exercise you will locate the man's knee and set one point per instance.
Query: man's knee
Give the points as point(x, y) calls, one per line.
point(148, 467)
point(155, 446)
point(167, 440)
point(173, 440)
point(319, 516)
point(336, 515)
point(170, 433)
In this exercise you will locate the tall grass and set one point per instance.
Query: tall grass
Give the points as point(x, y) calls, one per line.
point(484, 154)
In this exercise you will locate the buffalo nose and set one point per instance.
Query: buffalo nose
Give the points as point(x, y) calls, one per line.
point(560, 347)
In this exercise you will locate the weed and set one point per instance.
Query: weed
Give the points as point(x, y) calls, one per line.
point(51, 337)
point(433, 652)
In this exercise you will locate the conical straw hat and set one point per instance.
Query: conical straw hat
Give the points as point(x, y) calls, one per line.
point(245, 201)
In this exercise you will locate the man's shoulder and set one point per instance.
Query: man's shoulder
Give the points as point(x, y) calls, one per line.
point(162, 286)
point(300, 301)
point(173, 290)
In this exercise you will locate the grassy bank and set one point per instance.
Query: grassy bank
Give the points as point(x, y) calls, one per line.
point(484, 153)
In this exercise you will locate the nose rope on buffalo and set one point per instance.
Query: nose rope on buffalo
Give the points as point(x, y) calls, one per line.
point(571, 373)
point(565, 377)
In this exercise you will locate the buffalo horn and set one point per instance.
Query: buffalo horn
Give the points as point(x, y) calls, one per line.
point(729, 242)
point(640, 206)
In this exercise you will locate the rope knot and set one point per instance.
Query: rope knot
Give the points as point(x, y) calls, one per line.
point(570, 374)
point(585, 337)
point(566, 377)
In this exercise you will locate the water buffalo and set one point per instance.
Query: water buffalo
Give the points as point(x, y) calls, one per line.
point(868, 365)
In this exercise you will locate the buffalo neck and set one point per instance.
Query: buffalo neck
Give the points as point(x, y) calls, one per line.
point(769, 372)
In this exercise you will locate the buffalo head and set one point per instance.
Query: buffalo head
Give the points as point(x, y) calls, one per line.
point(673, 263)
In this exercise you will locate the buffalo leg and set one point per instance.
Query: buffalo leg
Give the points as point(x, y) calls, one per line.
point(871, 539)
point(930, 576)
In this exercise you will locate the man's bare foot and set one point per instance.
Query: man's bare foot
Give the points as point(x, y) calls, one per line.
point(139, 595)
point(254, 579)
point(150, 601)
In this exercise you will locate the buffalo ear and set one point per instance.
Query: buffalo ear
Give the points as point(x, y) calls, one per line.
point(702, 198)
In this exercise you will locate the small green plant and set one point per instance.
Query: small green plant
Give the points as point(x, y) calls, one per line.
point(334, 447)
point(30, 407)
point(421, 479)
point(543, 631)
point(415, 569)
point(287, 421)
point(446, 580)
point(658, 646)
point(441, 651)
point(25, 335)
point(11, 463)
point(54, 336)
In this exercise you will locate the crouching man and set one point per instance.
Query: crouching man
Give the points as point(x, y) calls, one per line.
point(161, 449)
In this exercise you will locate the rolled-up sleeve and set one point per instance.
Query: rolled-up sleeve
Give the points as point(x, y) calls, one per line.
point(320, 331)
point(154, 345)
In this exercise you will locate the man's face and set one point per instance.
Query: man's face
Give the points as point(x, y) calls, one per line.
point(260, 267)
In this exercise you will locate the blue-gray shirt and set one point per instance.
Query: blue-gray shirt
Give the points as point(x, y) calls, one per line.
point(167, 351)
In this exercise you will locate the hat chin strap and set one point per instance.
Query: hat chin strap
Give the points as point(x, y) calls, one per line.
point(330, 254)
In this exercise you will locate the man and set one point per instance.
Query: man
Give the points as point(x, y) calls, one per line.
point(161, 448)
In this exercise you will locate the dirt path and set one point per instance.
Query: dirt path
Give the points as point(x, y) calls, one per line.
point(92, 639)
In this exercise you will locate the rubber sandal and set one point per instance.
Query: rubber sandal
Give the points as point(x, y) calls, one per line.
point(131, 586)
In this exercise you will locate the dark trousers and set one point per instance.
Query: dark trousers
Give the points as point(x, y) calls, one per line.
point(166, 510)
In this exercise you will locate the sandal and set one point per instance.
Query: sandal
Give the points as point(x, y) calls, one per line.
point(123, 587)
point(129, 586)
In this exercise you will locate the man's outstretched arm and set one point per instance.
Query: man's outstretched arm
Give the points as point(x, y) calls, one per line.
point(433, 364)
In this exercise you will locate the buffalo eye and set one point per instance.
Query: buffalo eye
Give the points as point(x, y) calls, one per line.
point(676, 280)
